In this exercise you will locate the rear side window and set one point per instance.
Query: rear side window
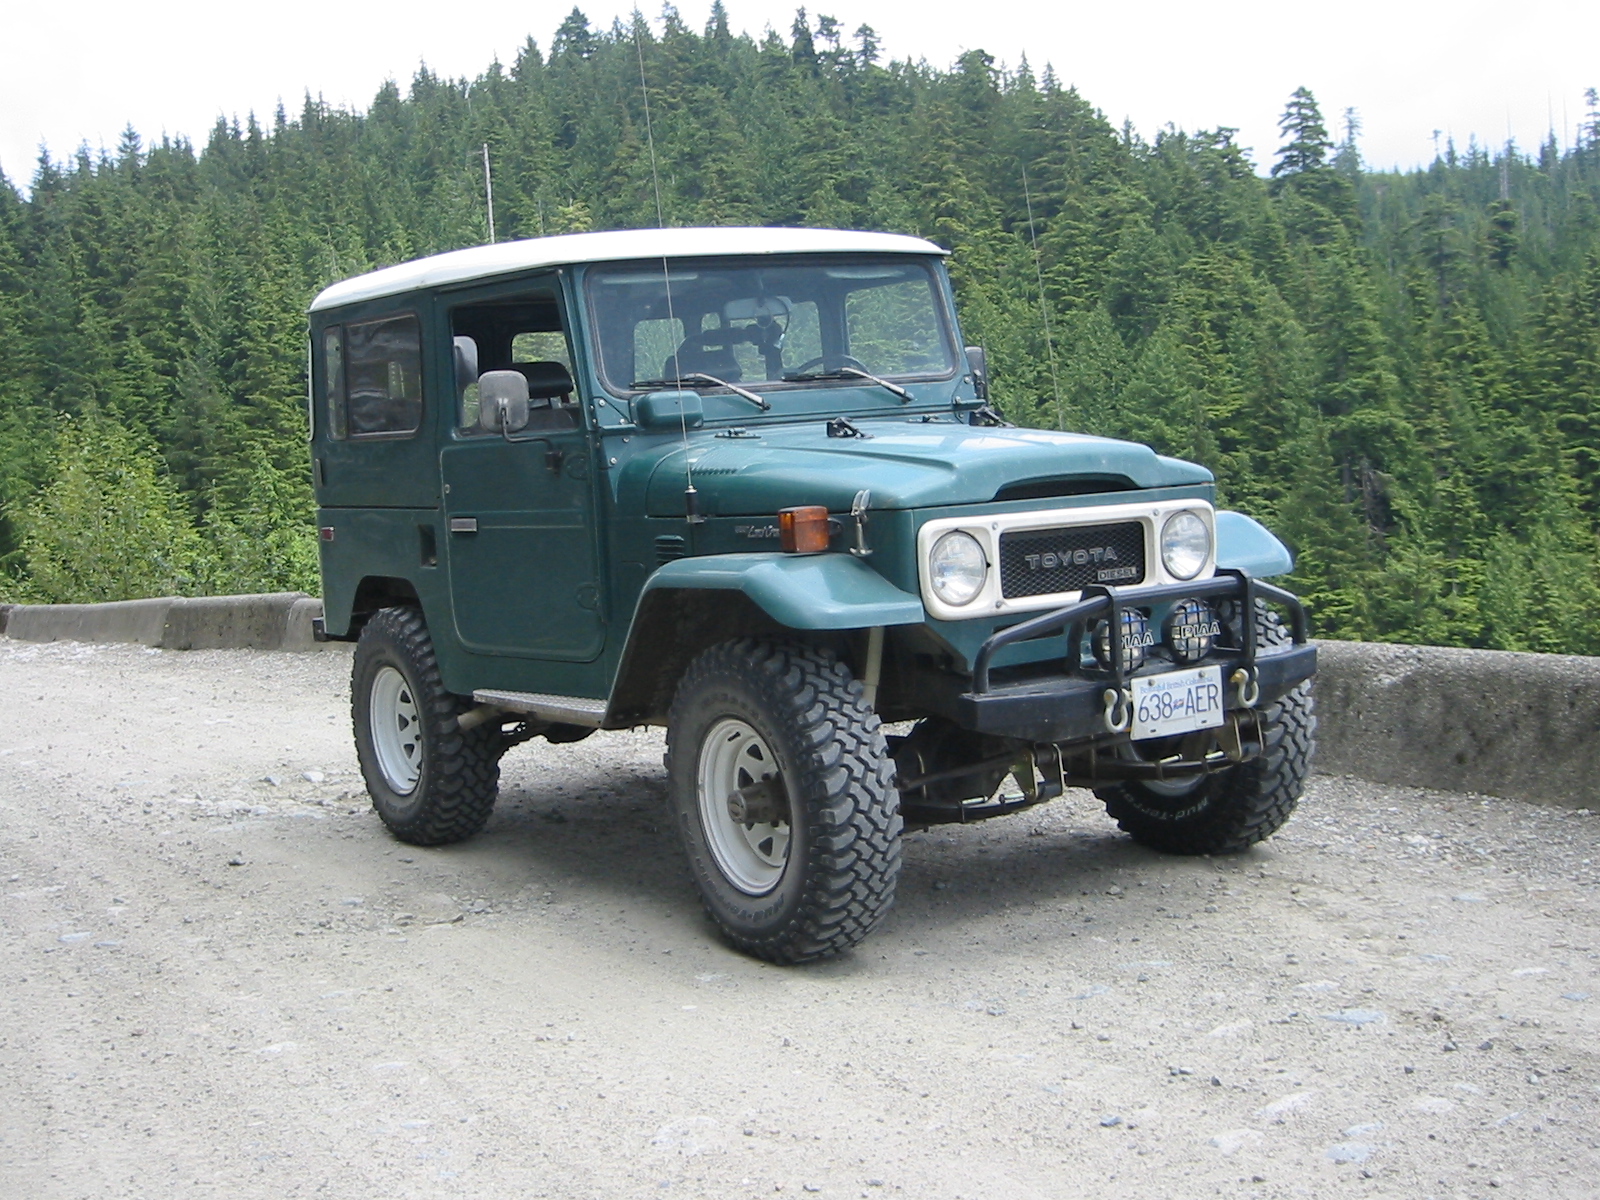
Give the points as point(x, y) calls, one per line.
point(333, 380)
point(382, 377)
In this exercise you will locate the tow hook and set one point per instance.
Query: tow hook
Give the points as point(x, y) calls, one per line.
point(1119, 709)
point(1246, 688)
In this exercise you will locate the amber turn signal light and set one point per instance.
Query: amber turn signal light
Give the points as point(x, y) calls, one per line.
point(803, 530)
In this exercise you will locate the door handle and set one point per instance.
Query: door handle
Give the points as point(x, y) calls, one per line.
point(463, 524)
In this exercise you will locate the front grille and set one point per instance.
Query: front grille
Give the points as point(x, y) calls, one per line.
point(1041, 562)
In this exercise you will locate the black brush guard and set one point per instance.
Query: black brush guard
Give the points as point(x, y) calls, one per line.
point(1080, 705)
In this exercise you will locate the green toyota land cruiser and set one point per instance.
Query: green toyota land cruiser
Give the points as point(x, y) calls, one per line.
point(745, 484)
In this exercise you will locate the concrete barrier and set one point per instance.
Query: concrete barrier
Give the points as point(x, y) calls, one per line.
point(275, 621)
point(1525, 726)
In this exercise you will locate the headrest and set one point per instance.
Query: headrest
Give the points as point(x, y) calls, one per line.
point(546, 380)
point(466, 363)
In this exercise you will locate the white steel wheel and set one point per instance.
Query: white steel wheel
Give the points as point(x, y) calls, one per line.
point(396, 730)
point(751, 855)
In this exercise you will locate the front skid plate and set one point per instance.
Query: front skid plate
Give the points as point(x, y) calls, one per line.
point(1068, 709)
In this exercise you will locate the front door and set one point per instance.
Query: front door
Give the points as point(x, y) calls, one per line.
point(519, 511)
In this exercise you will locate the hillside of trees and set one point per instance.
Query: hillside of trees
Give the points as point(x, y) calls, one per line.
point(1398, 372)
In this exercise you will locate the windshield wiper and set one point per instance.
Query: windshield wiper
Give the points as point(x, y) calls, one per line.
point(852, 373)
point(712, 380)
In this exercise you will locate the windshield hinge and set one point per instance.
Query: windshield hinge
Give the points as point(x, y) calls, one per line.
point(841, 427)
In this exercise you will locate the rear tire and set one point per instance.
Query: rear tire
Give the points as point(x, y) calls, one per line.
point(1234, 809)
point(431, 783)
point(789, 725)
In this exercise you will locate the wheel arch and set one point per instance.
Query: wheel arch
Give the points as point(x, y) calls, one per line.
point(375, 593)
point(693, 603)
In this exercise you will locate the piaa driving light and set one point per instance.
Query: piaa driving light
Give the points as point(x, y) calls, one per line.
point(1185, 544)
point(803, 530)
point(957, 568)
point(1191, 630)
point(1136, 640)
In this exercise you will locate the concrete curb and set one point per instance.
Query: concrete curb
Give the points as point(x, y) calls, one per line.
point(1526, 726)
point(275, 621)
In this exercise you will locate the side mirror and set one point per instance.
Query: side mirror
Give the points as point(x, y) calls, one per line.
point(502, 401)
point(979, 362)
point(669, 410)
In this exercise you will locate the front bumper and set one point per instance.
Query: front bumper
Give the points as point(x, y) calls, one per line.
point(1073, 707)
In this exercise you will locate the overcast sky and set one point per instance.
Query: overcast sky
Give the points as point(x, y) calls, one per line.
point(73, 73)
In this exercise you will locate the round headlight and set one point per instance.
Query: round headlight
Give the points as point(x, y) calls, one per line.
point(957, 568)
point(1185, 544)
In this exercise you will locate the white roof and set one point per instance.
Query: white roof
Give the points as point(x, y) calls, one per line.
point(505, 258)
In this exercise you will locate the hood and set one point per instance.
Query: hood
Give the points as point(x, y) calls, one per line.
point(905, 465)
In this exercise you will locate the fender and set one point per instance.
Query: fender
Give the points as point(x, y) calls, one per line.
point(1244, 544)
point(798, 591)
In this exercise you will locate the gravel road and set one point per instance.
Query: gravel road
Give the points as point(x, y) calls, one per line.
point(220, 977)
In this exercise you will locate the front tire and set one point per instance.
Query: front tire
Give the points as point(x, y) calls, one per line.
point(1230, 811)
point(431, 783)
point(785, 731)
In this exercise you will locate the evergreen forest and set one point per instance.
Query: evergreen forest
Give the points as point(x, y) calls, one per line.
point(1398, 372)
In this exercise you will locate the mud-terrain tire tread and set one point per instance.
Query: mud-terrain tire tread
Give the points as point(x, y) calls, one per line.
point(1237, 808)
point(840, 774)
point(461, 771)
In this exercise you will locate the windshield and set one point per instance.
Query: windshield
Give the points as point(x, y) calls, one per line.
point(769, 323)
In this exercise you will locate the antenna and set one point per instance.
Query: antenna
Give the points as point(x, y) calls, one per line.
point(488, 190)
point(1044, 308)
point(691, 498)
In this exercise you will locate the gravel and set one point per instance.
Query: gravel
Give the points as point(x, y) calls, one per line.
point(215, 985)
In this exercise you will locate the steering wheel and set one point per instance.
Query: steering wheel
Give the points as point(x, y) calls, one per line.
point(843, 360)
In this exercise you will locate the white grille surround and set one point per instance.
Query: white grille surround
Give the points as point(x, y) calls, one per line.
point(988, 527)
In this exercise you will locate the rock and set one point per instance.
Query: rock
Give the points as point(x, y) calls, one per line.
point(1110, 1121)
point(1349, 1152)
point(1285, 1105)
point(272, 779)
point(236, 861)
point(1233, 1140)
point(1355, 1016)
point(1574, 995)
point(312, 776)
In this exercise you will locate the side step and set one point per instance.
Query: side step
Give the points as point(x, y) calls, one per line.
point(565, 710)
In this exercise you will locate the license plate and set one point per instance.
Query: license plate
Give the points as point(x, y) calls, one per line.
point(1177, 702)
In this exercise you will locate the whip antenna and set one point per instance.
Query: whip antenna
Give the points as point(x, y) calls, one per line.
point(1044, 308)
point(691, 498)
point(488, 190)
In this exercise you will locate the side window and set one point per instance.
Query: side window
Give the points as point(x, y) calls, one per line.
point(333, 380)
point(383, 376)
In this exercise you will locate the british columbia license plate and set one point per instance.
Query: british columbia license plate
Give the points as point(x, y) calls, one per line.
point(1177, 702)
